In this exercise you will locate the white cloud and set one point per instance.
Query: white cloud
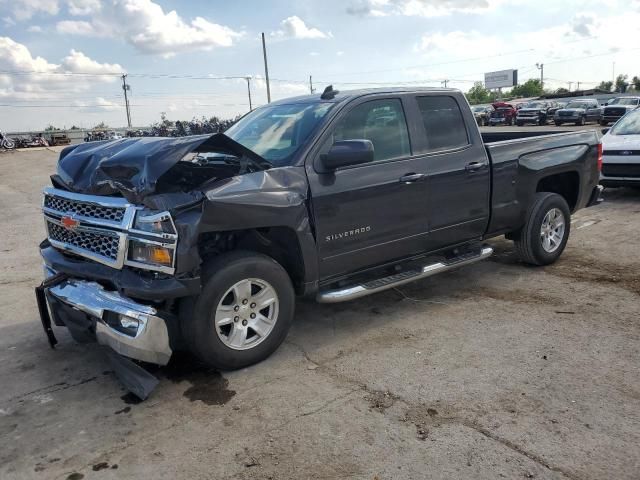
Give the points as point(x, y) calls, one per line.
point(83, 7)
point(339, 53)
point(100, 104)
point(76, 27)
point(419, 8)
point(37, 78)
point(34, 29)
point(25, 9)
point(146, 26)
point(294, 27)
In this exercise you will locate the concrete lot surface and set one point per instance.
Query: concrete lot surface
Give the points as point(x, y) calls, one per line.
point(497, 370)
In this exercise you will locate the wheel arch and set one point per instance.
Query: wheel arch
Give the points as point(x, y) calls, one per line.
point(279, 242)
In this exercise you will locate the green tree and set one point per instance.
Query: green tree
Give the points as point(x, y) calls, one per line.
point(621, 83)
point(478, 94)
point(605, 86)
point(51, 128)
point(101, 126)
point(530, 88)
point(635, 81)
point(562, 90)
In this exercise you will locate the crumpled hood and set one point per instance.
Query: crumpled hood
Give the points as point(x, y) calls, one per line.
point(132, 167)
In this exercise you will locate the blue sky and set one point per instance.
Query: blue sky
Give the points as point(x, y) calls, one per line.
point(60, 59)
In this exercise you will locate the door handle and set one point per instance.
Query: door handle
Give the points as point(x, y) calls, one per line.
point(473, 166)
point(412, 177)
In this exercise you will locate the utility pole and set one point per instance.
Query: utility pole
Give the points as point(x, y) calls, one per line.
point(540, 67)
point(571, 83)
point(578, 86)
point(126, 87)
point(444, 82)
point(248, 79)
point(266, 69)
point(311, 89)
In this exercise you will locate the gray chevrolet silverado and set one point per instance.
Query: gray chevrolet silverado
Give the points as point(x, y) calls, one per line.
point(202, 243)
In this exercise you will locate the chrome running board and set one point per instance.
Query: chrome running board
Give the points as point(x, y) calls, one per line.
point(378, 285)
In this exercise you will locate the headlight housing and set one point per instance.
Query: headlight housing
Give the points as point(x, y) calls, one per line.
point(152, 241)
point(154, 222)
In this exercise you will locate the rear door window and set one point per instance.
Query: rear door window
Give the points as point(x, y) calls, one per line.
point(443, 122)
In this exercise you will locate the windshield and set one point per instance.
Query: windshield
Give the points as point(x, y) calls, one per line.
point(577, 105)
point(479, 108)
point(277, 132)
point(627, 125)
point(624, 101)
point(536, 105)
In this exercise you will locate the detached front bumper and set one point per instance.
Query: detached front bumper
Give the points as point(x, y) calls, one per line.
point(92, 313)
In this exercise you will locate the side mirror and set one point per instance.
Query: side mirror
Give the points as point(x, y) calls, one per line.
point(348, 152)
point(605, 130)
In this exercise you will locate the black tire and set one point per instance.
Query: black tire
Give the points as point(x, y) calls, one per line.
point(604, 123)
point(528, 244)
point(219, 275)
point(580, 122)
point(519, 124)
point(542, 121)
point(557, 123)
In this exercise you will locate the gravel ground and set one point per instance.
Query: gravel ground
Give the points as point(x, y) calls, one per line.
point(496, 370)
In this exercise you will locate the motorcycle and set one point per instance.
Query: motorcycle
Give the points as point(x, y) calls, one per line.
point(6, 142)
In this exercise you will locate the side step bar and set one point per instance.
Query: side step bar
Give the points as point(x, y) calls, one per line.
point(395, 280)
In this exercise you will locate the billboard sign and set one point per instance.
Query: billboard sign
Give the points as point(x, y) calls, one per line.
point(503, 78)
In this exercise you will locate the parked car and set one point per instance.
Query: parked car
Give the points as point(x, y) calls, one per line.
point(536, 112)
point(617, 108)
point(481, 114)
point(578, 112)
point(503, 114)
point(203, 242)
point(621, 153)
point(59, 139)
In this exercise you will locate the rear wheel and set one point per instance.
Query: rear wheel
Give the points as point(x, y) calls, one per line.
point(519, 124)
point(557, 123)
point(243, 312)
point(544, 236)
point(604, 123)
point(580, 122)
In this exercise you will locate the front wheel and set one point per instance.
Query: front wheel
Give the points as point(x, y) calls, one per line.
point(544, 236)
point(580, 122)
point(243, 312)
point(558, 124)
point(604, 123)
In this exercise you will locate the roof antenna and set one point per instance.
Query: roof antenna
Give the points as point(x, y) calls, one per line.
point(329, 93)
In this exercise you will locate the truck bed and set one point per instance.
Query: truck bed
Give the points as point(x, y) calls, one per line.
point(522, 160)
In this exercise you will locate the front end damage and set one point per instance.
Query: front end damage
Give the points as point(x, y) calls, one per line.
point(123, 223)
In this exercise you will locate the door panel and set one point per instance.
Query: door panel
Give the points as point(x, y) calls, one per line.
point(459, 173)
point(365, 215)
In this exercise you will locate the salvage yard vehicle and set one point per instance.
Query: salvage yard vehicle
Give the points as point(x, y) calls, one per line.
point(621, 153)
point(578, 112)
point(202, 243)
point(482, 114)
point(537, 113)
point(6, 143)
point(503, 114)
point(617, 108)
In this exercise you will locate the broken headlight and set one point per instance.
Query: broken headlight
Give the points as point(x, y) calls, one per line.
point(154, 222)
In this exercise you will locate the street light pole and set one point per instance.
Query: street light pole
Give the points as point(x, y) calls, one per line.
point(248, 79)
point(126, 87)
point(540, 67)
point(266, 68)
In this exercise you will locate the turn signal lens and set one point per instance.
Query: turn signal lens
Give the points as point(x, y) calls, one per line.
point(161, 255)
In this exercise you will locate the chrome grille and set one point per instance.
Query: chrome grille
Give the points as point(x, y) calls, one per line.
point(84, 209)
point(104, 244)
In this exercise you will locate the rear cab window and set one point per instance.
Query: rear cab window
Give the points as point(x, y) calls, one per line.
point(444, 125)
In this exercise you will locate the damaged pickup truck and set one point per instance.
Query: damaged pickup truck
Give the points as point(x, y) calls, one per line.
point(202, 243)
